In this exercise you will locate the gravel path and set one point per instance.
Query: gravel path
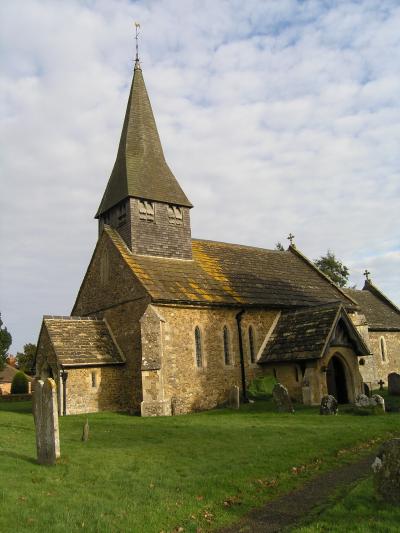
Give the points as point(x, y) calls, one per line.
point(291, 508)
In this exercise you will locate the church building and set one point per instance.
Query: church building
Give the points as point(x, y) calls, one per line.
point(164, 324)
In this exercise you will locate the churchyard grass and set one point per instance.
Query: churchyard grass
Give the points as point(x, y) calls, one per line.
point(196, 472)
point(357, 510)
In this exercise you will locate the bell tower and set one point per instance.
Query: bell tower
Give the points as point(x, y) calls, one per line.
point(143, 200)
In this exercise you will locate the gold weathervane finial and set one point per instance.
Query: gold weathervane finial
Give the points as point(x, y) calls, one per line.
point(137, 26)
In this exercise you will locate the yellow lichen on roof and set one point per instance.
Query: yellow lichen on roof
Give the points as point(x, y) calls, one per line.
point(126, 255)
point(213, 268)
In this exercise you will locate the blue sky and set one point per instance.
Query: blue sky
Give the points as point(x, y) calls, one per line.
point(275, 116)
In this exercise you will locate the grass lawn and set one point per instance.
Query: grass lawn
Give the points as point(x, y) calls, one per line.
point(195, 472)
point(356, 510)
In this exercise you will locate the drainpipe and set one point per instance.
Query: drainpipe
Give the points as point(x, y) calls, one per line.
point(64, 376)
point(242, 368)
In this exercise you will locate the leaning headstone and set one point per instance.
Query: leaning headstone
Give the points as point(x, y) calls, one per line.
point(329, 405)
point(377, 401)
point(234, 399)
point(282, 399)
point(362, 400)
point(46, 421)
point(394, 384)
point(386, 468)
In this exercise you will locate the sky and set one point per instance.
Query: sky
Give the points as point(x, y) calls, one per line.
point(275, 117)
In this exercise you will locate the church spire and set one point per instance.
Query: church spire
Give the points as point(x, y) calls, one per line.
point(140, 169)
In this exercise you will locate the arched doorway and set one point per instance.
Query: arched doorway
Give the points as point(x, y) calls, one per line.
point(336, 380)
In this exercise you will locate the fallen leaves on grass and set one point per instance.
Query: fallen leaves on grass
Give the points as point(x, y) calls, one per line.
point(232, 500)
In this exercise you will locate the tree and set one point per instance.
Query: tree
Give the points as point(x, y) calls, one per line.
point(333, 268)
point(5, 343)
point(26, 359)
point(279, 246)
point(20, 384)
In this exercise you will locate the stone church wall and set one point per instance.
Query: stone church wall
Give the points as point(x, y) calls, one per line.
point(392, 359)
point(95, 389)
point(190, 388)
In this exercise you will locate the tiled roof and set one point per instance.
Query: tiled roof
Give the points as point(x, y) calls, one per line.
point(82, 341)
point(140, 168)
point(222, 273)
point(304, 334)
point(8, 373)
point(379, 312)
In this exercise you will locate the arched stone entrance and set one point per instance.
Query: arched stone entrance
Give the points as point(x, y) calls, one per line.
point(336, 380)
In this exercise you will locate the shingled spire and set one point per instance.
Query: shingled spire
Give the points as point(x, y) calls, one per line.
point(143, 188)
point(140, 169)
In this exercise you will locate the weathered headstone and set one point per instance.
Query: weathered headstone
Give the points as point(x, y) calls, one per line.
point(282, 399)
point(362, 400)
point(46, 421)
point(377, 401)
point(386, 468)
point(85, 431)
point(329, 405)
point(394, 383)
point(234, 398)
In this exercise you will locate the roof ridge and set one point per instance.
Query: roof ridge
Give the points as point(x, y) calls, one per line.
point(69, 317)
point(238, 245)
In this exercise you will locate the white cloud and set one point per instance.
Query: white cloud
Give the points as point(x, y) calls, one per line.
point(275, 116)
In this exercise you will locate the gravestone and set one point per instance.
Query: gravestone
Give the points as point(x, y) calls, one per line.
point(377, 401)
point(394, 384)
point(85, 431)
point(362, 400)
point(282, 399)
point(386, 468)
point(329, 405)
point(45, 414)
point(234, 398)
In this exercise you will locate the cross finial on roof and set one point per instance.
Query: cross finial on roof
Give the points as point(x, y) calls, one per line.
point(137, 26)
point(290, 238)
point(366, 274)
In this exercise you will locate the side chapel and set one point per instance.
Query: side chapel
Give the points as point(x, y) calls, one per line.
point(165, 324)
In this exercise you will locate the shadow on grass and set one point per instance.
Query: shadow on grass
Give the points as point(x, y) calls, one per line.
point(22, 457)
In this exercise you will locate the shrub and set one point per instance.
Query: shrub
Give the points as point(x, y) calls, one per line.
point(262, 387)
point(20, 384)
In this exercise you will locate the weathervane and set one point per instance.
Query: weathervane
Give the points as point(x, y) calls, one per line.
point(366, 274)
point(290, 238)
point(137, 26)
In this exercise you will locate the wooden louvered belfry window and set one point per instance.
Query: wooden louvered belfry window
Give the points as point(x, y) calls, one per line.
point(198, 346)
point(175, 215)
point(146, 210)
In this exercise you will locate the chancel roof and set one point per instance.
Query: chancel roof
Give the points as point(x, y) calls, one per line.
point(140, 169)
point(380, 312)
point(222, 273)
point(82, 341)
point(307, 333)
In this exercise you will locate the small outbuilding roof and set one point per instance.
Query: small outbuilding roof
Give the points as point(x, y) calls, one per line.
point(306, 334)
point(223, 273)
point(8, 373)
point(82, 341)
point(380, 312)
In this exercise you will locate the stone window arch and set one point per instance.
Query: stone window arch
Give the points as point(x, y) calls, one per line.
point(252, 350)
point(383, 349)
point(227, 347)
point(198, 347)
